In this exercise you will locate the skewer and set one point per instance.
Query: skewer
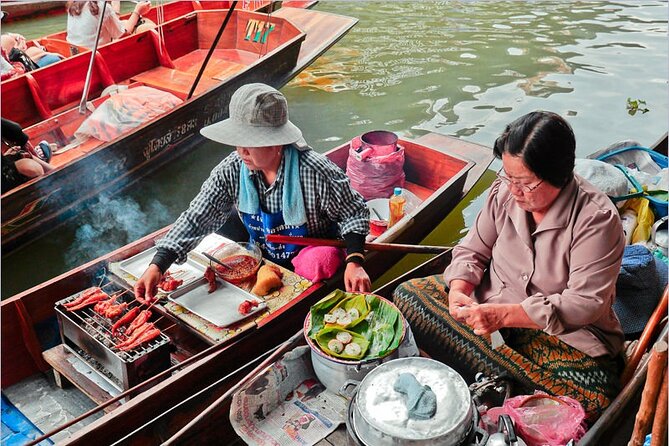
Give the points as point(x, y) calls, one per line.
point(104, 276)
point(165, 329)
point(215, 260)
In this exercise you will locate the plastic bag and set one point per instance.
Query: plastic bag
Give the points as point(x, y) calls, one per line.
point(542, 419)
point(605, 177)
point(124, 111)
point(374, 176)
point(645, 219)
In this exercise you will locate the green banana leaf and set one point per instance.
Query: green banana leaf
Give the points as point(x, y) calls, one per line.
point(356, 301)
point(328, 333)
point(381, 326)
point(385, 331)
point(321, 308)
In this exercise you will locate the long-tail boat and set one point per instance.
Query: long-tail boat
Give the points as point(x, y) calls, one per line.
point(202, 416)
point(19, 10)
point(205, 417)
point(439, 171)
point(179, 420)
point(254, 47)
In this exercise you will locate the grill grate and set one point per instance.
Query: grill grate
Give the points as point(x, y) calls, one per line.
point(99, 327)
point(88, 334)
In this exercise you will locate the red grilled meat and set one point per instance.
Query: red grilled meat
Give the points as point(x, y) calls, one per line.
point(210, 275)
point(145, 336)
point(138, 322)
point(125, 319)
point(83, 296)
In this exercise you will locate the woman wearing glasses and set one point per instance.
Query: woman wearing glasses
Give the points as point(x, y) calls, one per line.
point(540, 267)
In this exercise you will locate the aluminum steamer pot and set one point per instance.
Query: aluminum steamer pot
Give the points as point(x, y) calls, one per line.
point(333, 373)
point(379, 415)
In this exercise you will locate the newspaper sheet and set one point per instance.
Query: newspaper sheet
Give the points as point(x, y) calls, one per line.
point(287, 405)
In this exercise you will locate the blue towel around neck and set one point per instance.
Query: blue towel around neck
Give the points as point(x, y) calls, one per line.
point(292, 202)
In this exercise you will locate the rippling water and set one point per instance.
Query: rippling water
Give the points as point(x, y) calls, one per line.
point(460, 68)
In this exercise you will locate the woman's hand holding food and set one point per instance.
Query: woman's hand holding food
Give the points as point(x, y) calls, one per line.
point(146, 286)
point(356, 279)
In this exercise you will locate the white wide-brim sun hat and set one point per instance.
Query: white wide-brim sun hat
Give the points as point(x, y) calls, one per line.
point(258, 118)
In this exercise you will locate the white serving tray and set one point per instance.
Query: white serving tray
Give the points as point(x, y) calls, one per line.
point(220, 307)
point(207, 244)
point(189, 272)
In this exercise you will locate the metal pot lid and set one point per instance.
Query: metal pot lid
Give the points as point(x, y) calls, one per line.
point(384, 409)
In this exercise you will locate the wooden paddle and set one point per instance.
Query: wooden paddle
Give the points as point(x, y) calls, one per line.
point(649, 396)
point(310, 241)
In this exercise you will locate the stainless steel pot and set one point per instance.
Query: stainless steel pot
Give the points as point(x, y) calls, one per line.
point(333, 373)
point(379, 417)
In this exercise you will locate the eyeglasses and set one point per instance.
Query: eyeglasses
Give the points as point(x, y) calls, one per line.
point(525, 188)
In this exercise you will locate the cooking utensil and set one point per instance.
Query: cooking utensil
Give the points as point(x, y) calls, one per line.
point(380, 417)
point(215, 260)
point(333, 372)
point(242, 260)
point(309, 241)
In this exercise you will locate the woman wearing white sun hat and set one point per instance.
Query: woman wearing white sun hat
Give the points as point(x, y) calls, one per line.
point(278, 185)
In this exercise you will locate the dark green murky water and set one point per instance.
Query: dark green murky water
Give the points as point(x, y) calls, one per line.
point(459, 68)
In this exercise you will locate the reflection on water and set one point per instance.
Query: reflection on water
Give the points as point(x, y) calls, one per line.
point(460, 68)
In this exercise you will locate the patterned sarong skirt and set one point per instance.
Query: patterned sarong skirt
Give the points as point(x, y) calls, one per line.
point(533, 359)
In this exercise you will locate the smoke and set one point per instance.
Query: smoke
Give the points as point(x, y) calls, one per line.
point(112, 223)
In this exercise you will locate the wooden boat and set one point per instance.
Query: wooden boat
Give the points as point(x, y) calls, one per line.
point(210, 421)
point(436, 171)
point(254, 48)
point(19, 10)
point(158, 14)
point(177, 427)
point(194, 422)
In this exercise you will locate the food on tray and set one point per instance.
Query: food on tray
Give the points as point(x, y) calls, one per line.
point(247, 306)
point(367, 326)
point(125, 320)
point(330, 340)
point(335, 345)
point(353, 349)
point(241, 260)
point(210, 275)
point(169, 282)
point(87, 297)
point(269, 279)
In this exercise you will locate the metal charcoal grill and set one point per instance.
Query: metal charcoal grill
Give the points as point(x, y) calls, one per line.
point(88, 335)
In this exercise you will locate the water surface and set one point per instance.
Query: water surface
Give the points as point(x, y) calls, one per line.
point(459, 68)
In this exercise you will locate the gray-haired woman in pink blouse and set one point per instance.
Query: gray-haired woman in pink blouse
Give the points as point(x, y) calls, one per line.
point(540, 267)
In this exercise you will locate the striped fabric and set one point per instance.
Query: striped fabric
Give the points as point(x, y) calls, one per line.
point(534, 359)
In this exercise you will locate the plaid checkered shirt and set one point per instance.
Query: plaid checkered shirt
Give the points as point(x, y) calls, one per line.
point(329, 201)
